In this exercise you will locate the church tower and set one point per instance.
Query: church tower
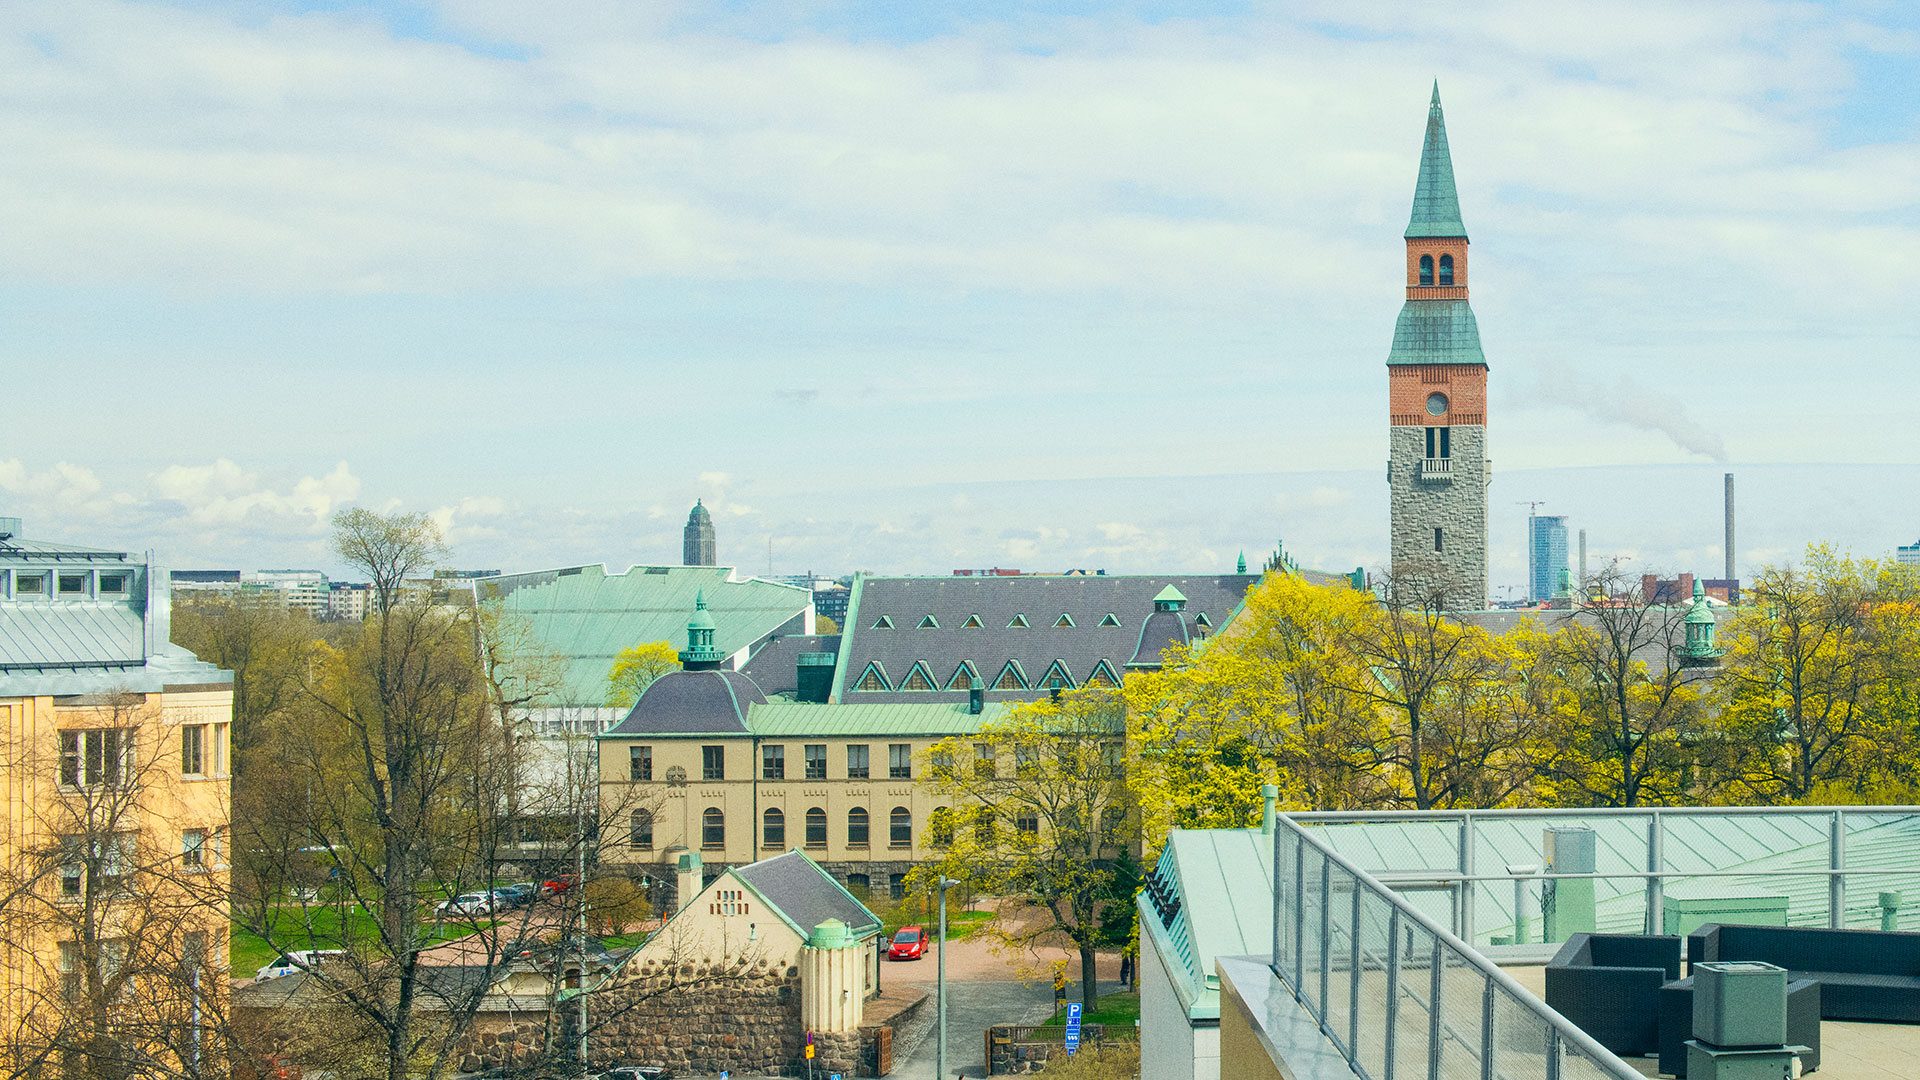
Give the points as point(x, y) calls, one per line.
point(696, 540)
point(1437, 398)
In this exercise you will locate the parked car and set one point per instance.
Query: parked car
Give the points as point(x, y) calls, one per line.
point(910, 943)
point(637, 1072)
point(297, 960)
point(473, 903)
point(279, 1067)
point(520, 894)
point(559, 883)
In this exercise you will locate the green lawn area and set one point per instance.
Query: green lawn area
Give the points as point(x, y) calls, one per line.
point(1118, 1010)
point(960, 924)
point(248, 952)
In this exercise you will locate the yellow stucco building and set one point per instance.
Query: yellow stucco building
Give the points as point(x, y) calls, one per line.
point(113, 933)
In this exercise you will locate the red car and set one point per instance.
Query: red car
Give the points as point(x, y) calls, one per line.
point(558, 884)
point(909, 944)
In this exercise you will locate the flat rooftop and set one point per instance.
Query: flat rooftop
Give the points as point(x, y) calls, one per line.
point(1848, 1050)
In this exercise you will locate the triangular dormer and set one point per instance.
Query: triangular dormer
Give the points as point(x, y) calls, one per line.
point(874, 678)
point(928, 623)
point(1057, 670)
point(918, 678)
point(884, 622)
point(972, 623)
point(963, 676)
point(1018, 622)
point(1011, 677)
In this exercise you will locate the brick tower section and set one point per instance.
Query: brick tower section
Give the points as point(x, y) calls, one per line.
point(1438, 469)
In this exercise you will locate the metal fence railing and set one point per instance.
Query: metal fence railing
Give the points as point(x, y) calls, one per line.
point(1488, 877)
point(1401, 996)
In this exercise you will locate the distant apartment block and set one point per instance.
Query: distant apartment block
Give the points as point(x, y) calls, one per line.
point(1679, 590)
point(301, 590)
point(1910, 554)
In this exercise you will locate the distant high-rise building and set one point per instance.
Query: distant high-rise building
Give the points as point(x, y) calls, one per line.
point(1909, 555)
point(1546, 555)
point(1437, 395)
point(698, 547)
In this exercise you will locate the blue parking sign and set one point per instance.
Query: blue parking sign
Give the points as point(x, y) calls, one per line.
point(1073, 1028)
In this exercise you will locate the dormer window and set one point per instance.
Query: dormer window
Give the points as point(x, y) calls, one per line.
point(113, 584)
point(74, 585)
point(1446, 269)
point(1065, 621)
point(1110, 620)
point(1426, 269)
point(929, 623)
point(29, 584)
point(972, 623)
point(884, 622)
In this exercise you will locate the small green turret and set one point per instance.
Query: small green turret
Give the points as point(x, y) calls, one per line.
point(1698, 650)
point(700, 653)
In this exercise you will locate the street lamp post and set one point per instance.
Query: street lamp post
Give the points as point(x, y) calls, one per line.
point(940, 988)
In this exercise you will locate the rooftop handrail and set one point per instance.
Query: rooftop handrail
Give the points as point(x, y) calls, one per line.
point(1565, 1029)
point(1319, 816)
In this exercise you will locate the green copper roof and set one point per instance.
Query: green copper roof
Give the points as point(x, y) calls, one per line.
point(1436, 204)
point(702, 618)
point(586, 615)
point(1169, 593)
point(1436, 332)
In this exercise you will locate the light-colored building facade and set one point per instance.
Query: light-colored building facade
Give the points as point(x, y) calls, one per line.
point(117, 810)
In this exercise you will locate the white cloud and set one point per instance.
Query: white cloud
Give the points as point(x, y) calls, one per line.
point(223, 493)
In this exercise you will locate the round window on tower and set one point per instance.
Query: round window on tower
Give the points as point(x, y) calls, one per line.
point(1436, 404)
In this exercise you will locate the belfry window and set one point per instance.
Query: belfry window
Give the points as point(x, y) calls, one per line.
point(1426, 269)
point(1446, 269)
point(1437, 547)
point(1439, 444)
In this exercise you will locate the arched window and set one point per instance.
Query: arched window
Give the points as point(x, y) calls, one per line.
point(640, 829)
point(1446, 269)
point(713, 828)
point(900, 827)
point(857, 885)
point(773, 828)
point(857, 827)
point(816, 828)
point(940, 827)
point(1426, 269)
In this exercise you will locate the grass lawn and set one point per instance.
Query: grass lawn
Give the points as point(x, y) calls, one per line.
point(248, 952)
point(1118, 1010)
point(960, 924)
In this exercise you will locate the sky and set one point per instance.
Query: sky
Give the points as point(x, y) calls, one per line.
point(908, 287)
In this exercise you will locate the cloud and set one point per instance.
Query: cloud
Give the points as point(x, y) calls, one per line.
point(223, 493)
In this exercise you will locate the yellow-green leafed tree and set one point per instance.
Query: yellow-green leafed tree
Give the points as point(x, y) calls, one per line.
point(1268, 702)
point(1809, 678)
point(635, 669)
point(1638, 725)
point(1040, 820)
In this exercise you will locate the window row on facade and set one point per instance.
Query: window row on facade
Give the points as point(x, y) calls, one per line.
point(104, 757)
point(812, 764)
point(65, 584)
point(859, 827)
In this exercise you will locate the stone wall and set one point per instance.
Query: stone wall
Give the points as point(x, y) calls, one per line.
point(746, 1021)
point(498, 1041)
point(1456, 506)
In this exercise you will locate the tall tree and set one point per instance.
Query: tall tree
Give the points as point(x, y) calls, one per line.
point(1041, 818)
point(1637, 724)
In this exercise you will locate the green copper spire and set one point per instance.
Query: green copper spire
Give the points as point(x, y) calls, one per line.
point(1699, 648)
point(1241, 566)
point(700, 653)
point(1436, 205)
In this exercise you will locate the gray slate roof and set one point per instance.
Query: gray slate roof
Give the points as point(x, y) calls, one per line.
point(907, 601)
point(693, 703)
point(805, 895)
point(774, 666)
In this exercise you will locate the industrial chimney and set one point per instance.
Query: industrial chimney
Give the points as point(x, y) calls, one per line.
point(1729, 528)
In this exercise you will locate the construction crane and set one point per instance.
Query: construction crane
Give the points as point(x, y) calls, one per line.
point(1532, 505)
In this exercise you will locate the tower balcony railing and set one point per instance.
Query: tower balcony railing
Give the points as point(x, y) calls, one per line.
point(1436, 468)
